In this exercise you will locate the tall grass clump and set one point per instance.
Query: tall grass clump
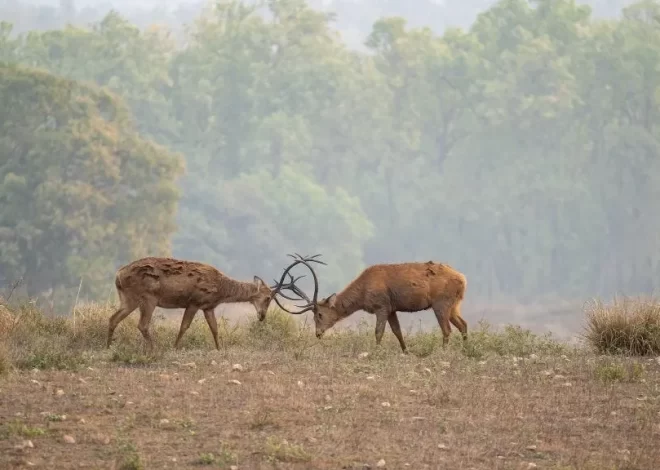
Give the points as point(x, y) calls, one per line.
point(627, 326)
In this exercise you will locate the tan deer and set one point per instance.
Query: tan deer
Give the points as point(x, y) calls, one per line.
point(168, 283)
point(384, 289)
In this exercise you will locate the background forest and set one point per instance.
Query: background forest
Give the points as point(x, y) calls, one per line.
point(522, 147)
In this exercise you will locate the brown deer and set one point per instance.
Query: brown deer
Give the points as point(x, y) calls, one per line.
point(168, 283)
point(384, 289)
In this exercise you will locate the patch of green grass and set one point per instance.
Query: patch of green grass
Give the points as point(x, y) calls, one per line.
point(424, 344)
point(55, 418)
point(135, 356)
point(283, 451)
point(18, 428)
point(512, 340)
point(617, 372)
point(223, 459)
point(354, 341)
point(205, 459)
point(129, 458)
point(261, 420)
point(276, 331)
point(629, 326)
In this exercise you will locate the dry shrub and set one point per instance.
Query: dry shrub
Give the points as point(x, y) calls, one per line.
point(629, 326)
point(5, 360)
point(6, 320)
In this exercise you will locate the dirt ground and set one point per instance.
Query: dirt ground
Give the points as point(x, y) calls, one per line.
point(328, 409)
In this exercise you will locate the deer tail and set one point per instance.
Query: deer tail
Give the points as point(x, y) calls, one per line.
point(461, 287)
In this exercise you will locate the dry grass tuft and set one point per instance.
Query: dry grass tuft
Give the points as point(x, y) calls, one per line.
point(630, 327)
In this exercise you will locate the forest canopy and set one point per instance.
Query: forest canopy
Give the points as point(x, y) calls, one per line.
point(524, 150)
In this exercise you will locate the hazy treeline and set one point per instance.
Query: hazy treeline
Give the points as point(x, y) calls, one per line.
point(353, 18)
point(523, 151)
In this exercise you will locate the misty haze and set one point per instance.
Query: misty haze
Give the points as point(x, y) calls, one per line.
point(510, 149)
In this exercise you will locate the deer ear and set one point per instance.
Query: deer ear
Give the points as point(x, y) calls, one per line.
point(332, 300)
point(258, 281)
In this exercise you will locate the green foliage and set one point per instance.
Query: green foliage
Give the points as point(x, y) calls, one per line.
point(521, 150)
point(628, 326)
point(80, 190)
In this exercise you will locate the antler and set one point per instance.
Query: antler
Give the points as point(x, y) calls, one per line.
point(295, 289)
point(291, 285)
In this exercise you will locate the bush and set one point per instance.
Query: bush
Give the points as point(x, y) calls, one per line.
point(630, 326)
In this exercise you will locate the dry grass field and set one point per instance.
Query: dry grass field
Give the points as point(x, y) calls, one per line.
point(275, 397)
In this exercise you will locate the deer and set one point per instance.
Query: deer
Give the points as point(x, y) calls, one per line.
point(384, 290)
point(171, 283)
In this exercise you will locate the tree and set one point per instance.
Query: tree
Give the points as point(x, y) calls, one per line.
point(80, 190)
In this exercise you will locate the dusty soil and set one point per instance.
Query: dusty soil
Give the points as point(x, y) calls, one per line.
point(322, 409)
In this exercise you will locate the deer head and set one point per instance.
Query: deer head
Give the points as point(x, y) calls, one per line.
point(326, 311)
point(261, 298)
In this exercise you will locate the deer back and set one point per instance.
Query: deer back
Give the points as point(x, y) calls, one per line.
point(175, 283)
point(409, 286)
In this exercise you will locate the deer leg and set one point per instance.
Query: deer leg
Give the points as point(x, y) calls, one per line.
point(458, 321)
point(213, 325)
point(460, 324)
point(381, 321)
point(188, 316)
point(146, 311)
point(121, 313)
point(442, 315)
point(396, 329)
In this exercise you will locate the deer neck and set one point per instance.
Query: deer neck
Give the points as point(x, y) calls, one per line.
point(347, 303)
point(238, 291)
